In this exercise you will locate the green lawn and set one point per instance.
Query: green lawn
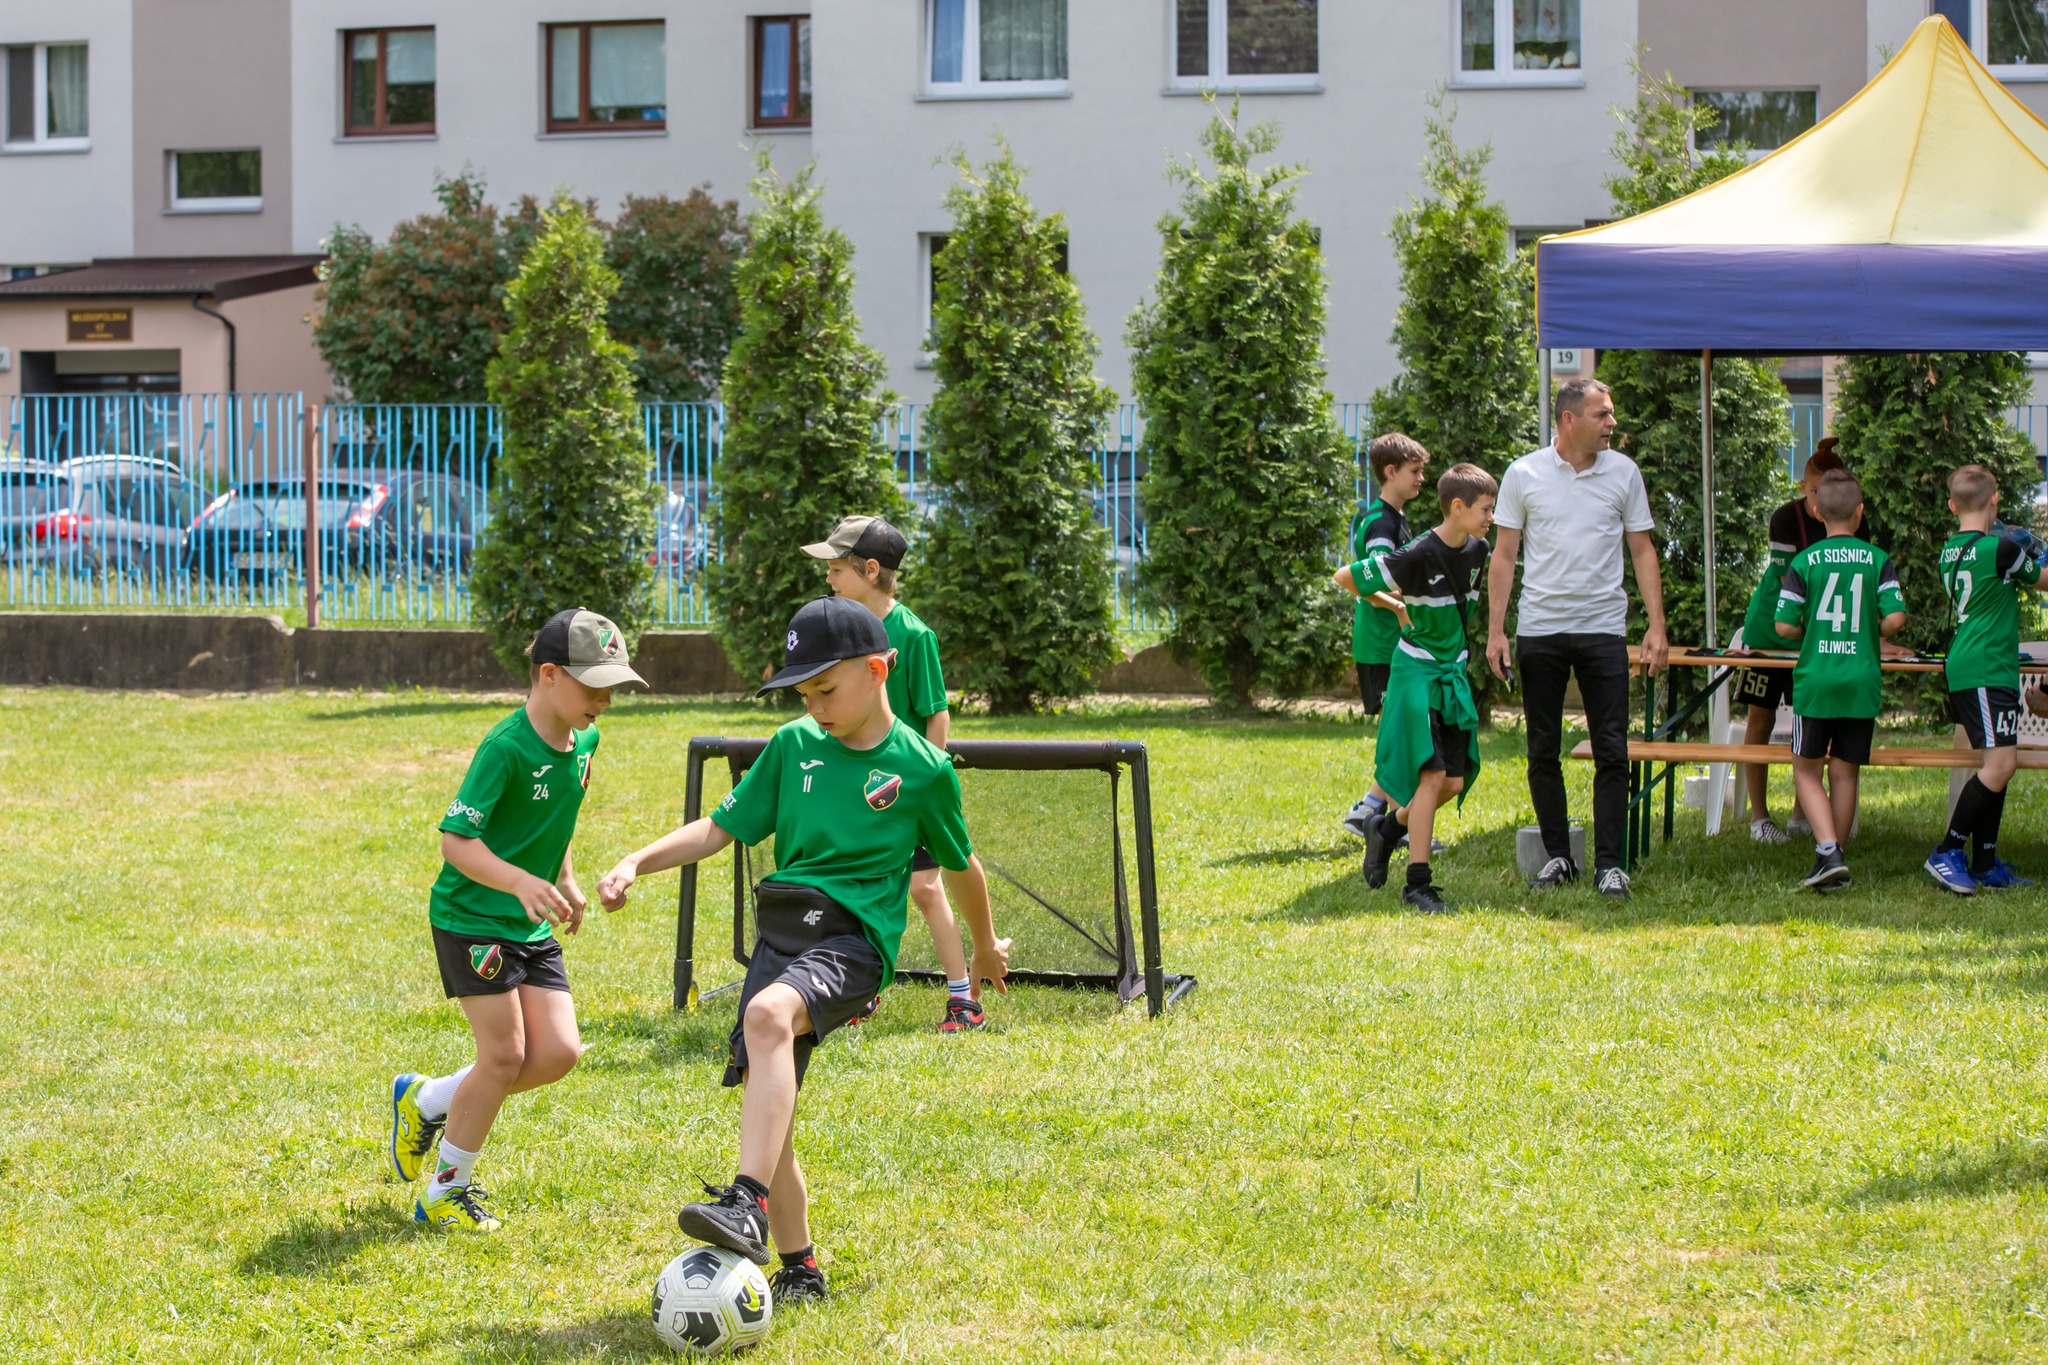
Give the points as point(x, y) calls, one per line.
point(1728, 1121)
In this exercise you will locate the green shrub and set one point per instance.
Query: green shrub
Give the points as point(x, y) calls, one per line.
point(677, 305)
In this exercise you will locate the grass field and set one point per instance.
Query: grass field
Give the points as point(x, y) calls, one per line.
point(1728, 1121)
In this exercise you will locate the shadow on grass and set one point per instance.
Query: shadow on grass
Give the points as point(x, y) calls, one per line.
point(618, 1335)
point(1456, 875)
point(2014, 966)
point(660, 1040)
point(445, 707)
point(2006, 1165)
point(1300, 853)
point(315, 1244)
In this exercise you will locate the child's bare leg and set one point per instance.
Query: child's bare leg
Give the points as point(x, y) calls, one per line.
point(1842, 779)
point(776, 1018)
point(1813, 799)
point(789, 1219)
point(499, 1026)
point(1757, 776)
point(1420, 818)
point(553, 1042)
point(928, 894)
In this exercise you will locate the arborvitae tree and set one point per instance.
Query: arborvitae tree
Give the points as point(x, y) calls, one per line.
point(1248, 477)
point(677, 306)
point(1015, 573)
point(803, 397)
point(1657, 397)
point(573, 510)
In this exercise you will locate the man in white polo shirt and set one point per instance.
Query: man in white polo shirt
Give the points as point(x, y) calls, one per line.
point(1568, 510)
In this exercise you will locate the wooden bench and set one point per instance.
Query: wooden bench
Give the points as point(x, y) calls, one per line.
point(1678, 751)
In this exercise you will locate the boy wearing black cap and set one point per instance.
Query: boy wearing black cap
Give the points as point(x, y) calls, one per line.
point(848, 791)
point(506, 885)
point(862, 556)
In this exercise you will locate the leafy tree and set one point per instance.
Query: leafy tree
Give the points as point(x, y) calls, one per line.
point(1657, 395)
point(677, 306)
point(573, 520)
point(1016, 574)
point(803, 397)
point(1248, 476)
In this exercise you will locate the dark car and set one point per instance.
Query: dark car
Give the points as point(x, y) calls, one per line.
point(257, 529)
point(424, 525)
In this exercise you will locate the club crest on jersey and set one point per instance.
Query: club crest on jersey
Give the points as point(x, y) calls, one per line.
point(882, 789)
point(486, 960)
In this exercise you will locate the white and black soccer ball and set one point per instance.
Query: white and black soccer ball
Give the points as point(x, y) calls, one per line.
point(711, 1302)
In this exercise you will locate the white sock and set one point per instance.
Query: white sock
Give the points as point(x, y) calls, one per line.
point(1827, 848)
point(1373, 804)
point(959, 990)
point(438, 1093)
point(451, 1168)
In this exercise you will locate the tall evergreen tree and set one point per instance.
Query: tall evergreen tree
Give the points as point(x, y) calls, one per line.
point(1248, 478)
point(803, 400)
point(573, 514)
point(1015, 575)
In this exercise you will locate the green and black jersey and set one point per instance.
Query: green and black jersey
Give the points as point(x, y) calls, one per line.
point(917, 689)
point(1982, 574)
point(846, 821)
point(1439, 584)
point(1378, 529)
point(1838, 590)
point(1793, 529)
point(520, 797)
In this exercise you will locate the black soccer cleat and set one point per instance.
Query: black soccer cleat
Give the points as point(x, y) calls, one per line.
point(1830, 870)
point(1427, 899)
point(732, 1218)
point(1377, 846)
point(795, 1284)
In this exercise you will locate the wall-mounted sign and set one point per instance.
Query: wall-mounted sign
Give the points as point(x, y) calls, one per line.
point(1566, 360)
point(99, 324)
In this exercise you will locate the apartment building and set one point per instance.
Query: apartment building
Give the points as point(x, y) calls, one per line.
point(146, 130)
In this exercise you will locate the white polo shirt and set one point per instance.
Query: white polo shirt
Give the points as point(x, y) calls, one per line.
point(1573, 544)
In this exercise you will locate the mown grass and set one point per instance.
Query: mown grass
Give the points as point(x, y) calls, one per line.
point(1729, 1121)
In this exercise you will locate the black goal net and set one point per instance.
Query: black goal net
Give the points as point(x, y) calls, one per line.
point(1064, 832)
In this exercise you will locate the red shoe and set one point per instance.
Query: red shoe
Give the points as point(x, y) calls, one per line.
point(962, 1016)
point(873, 1008)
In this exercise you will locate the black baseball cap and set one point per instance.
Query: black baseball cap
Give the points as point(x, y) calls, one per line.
point(821, 634)
point(863, 538)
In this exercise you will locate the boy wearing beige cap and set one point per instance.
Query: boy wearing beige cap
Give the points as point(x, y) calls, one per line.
point(506, 885)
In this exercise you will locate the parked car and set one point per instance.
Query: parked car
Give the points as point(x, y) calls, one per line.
point(129, 513)
point(257, 529)
point(679, 536)
point(30, 491)
point(421, 524)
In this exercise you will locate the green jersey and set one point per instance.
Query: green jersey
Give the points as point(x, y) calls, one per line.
point(846, 821)
point(917, 690)
point(1439, 585)
point(520, 797)
point(1379, 529)
point(1979, 572)
point(1838, 589)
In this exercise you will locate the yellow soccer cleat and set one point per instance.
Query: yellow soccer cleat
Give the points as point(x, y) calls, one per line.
point(412, 1133)
point(458, 1208)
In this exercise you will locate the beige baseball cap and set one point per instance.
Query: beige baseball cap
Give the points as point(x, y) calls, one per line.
point(863, 538)
point(588, 647)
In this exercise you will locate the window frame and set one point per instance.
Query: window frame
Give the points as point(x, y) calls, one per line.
point(973, 87)
point(1692, 95)
point(380, 128)
point(1304, 82)
point(757, 24)
point(240, 203)
point(584, 125)
point(42, 142)
point(1980, 47)
point(1571, 77)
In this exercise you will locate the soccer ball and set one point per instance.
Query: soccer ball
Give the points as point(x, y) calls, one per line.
point(711, 1302)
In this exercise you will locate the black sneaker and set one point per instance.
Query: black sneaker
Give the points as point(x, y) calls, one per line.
point(1378, 845)
point(732, 1218)
point(1427, 899)
point(1612, 883)
point(794, 1284)
point(1557, 872)
point(1830, 870)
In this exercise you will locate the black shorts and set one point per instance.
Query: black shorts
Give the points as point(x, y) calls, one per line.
point(1844, 737)
point(474, 965)
point(1372, 685)
point(1990, 716)
point(921, 860)
point(1451, 748)
point(826, 960)
point(1769, 688)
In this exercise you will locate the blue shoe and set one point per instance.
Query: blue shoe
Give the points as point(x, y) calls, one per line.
point(2001, 877)
point(1952, 870)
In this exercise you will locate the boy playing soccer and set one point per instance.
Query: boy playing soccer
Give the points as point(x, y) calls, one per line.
point(848, 792)
point(1839, 600)
point(1981, 573)
point(862, 556)
point(507, 884)
point(1397, 463)
point(1429, 729)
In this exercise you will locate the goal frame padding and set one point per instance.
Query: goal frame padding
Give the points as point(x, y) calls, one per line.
point(1012, 755)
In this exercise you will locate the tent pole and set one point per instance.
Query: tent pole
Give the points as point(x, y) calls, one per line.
point(1707, 490)
point(1543, 388)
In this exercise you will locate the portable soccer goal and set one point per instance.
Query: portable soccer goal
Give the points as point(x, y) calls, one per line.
point(1046, 818)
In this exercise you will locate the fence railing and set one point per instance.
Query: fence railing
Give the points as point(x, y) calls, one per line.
point(196, 500)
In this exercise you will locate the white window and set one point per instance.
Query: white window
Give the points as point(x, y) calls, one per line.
point(2010, 36)
point(1245, 45)
point(1763, 120)
point(46, 98)
point(217, 182)
point(1518, 42)
point(995, 47)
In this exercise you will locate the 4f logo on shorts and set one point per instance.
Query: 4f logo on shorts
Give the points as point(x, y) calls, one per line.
point(882, 789)
point(813, 915)
point(486, 960)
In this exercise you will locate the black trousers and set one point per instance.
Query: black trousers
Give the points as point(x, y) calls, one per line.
point(1600, 662)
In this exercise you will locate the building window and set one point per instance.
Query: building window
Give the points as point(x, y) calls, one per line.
point(782, 72)
point(217, 182)
point(1246, 44)
point(390, 81)
point(1518, 42)
point(46, 96)
point(2010, 35)
point(996, 47)
point(607, 78)
point(1762, 120)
